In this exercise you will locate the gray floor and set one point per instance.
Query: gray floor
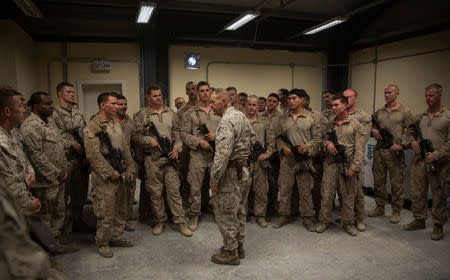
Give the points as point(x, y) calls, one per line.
point(384, 251)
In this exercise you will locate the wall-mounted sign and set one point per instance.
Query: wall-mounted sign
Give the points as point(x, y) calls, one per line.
point(192, 61)
point(101, 66)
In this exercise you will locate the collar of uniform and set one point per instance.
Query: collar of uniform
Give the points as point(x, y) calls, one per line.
point(396, 109)
point(197, 108)
point(101, 122)
point(33, 116)
point(304, 113)
point(151, 112)
point(441, 112)
point(63, 110)
point(4, 133)
point(347, 120)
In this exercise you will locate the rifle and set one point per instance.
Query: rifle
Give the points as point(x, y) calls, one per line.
point(115, 157)
point(257, 150)
point(386, 135)
point(299, 158)
point(204, 129)
point(75, 132)
point(426, 146)
point(166, 147)
point(340, 158)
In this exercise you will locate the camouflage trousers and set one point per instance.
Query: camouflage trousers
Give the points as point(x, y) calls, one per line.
point(110, 207)
point(291, 175)
point(272, 194)
point(260, 185)
point(200, 162)
point(156, 181)
point(331, 182)
point(53, 206)
point(420, 180)
point(230, 207)
point(384, 161)
point(77, 184)
point(131, 189)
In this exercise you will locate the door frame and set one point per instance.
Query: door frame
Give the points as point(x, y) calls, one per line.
point(81, 83)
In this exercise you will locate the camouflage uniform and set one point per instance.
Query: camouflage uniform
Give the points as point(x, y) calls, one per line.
point(274, 162)
point(328, 114)
point(14, 167)
point(20, 257)
point(303, 130)
point(437, 130)
point(70, 123)
point(233, 141)
point(109, 197)
point(349, 135)
point(44, 147)
point(200, 160)
point(365, 120)
point(383, 160)
point(260, 184)
point(157, 179)
point(127, 130)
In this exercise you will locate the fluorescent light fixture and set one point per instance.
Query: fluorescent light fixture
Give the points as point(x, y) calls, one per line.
point(325, 25)
point(241, 20)
point(29, 8)
point(145, 12)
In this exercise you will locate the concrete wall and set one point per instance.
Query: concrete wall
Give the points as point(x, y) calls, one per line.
point(412, 73)
point(250, 71)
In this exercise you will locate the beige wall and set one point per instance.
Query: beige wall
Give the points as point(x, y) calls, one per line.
point(17, 56)
point(412, 74)
point(250, 78)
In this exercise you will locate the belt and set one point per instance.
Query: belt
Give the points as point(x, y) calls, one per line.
point(234, 163)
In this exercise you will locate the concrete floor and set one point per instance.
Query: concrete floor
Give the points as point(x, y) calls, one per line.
point(384, 251)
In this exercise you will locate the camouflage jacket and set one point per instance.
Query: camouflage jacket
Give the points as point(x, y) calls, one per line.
point(44, 147)
point(96, 148)
point(366, 122)
point(234, 138)
point(14, 166)
point(70, 124)
point(264, 134)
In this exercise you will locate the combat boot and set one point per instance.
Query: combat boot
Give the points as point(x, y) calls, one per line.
point(395, 217)
point(350, 229)
point(415, 225)
point(193, 224)
point(309, 224)
point(226, 257)
point(261, 221)
point(184, 230)
point(438, 232)
point(282, 220)
point(240, 250)
point(159, 227)
point(105, 251)
point(65, 246)
point(122, 242)
point(360, 225)
point(378, 211)
point(321, 227)
point(130, 227)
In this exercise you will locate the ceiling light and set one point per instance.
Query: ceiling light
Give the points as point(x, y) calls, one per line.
point(29, 8)
point(241, 20)
point(192, 61)
point(145, 12)
point(325, 25)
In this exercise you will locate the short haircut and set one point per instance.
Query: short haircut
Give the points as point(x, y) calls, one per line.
point(190, 83)
point(231, 88)
point(6, 95)
point(121, 97)
point(178, 98)
point(243, 94)
point(356, 93)
point(253, 96)
point(307, 96)
point(104, 96)
point(284, 91)
point(262, 98)
point(61, 85)
point(436, 86)
point(330, 91)
point(36, 98)
point(394, 86)
point(274, 95)
point(342, 98)
point(222, 93)
point(301, 93)
point(202, 83)
point(152, 87)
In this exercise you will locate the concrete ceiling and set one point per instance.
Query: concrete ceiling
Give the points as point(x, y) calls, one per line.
point(201, 21)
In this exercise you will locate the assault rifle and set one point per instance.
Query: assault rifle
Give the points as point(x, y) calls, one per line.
point(426, 146)
point(386, 135)
point(166, 147)
point(257, 150)
point(115, 157)
point(78, 138)
point(204, 129)
point(340, 158)
point(299, 158)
